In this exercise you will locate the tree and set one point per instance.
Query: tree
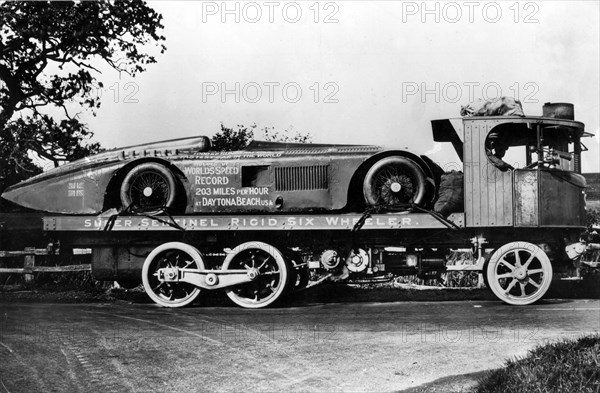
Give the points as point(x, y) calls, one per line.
point(50, 55)
point(229, 139)
point(270, 134)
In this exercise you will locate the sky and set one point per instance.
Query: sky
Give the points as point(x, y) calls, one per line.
point(360, 72)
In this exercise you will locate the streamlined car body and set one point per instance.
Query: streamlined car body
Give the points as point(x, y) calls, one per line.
point(184, 176)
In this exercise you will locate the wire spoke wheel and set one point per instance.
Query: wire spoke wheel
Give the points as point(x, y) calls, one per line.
point(149, 187)
point(272, 279)
point(171, 255)
point(519, 273)
point(394, 186)
point(394, 182)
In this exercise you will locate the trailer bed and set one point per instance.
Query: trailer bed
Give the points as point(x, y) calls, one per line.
point(296, 222)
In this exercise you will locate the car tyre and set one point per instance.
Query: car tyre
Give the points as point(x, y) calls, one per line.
point(395, 182)
point(149, 188)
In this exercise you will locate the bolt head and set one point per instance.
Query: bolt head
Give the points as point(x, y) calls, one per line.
point(212, 279)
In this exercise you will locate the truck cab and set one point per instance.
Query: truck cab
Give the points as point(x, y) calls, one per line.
point(519, 171)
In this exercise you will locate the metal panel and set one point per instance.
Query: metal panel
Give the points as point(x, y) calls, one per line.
point(249, 223)
point(526, 198)
point(507, 194)
point(477, 174)
point(469, 172)
point(488, 190)
point(561, 201)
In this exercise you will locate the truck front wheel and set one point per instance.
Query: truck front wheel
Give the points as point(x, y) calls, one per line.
point(519, 273)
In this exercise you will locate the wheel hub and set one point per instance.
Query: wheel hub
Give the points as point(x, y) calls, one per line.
point(170, 274)
point(520, 273)
point(253, 273)
point(395, 187)
point(357, 261)
point(147, 192)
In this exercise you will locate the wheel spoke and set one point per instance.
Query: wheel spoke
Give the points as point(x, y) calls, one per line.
point(511, 285)
point(264, 262)
point(535, 284)
point(526, 265)
point(517, 258)
point(388, 174)
point(506, 263)
point(522, 285)
point(535, 271)
point(188, 264)
point(276, 272)
point(505, 275)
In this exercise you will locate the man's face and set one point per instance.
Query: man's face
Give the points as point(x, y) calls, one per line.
point(499, 150)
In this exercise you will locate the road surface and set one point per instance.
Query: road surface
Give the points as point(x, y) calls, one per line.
point(123, 347)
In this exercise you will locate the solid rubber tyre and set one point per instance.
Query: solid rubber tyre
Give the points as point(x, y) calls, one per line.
point(272, 281)
point(519, 273)
point(170, 255)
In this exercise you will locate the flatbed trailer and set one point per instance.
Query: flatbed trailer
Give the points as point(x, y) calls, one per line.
point(287, 222)
point(257, 259)
point(168, 220)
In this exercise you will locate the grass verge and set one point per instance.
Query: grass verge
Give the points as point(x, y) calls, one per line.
point(566, 366)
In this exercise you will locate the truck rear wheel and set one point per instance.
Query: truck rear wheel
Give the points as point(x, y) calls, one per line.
point(272, 279)
point(395, 182)
point(519, 273)
point(168, 255)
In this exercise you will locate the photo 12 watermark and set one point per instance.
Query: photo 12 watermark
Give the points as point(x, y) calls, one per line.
point(270, 92)
point(468, 91)
point(469, 11)
point(118, 92)
point(288, 333)
point(269, 12)
point(454, 334)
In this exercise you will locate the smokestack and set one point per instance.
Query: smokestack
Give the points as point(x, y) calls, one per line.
point(559, 110)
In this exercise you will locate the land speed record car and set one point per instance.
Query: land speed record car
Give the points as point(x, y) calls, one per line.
point(184, 176)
